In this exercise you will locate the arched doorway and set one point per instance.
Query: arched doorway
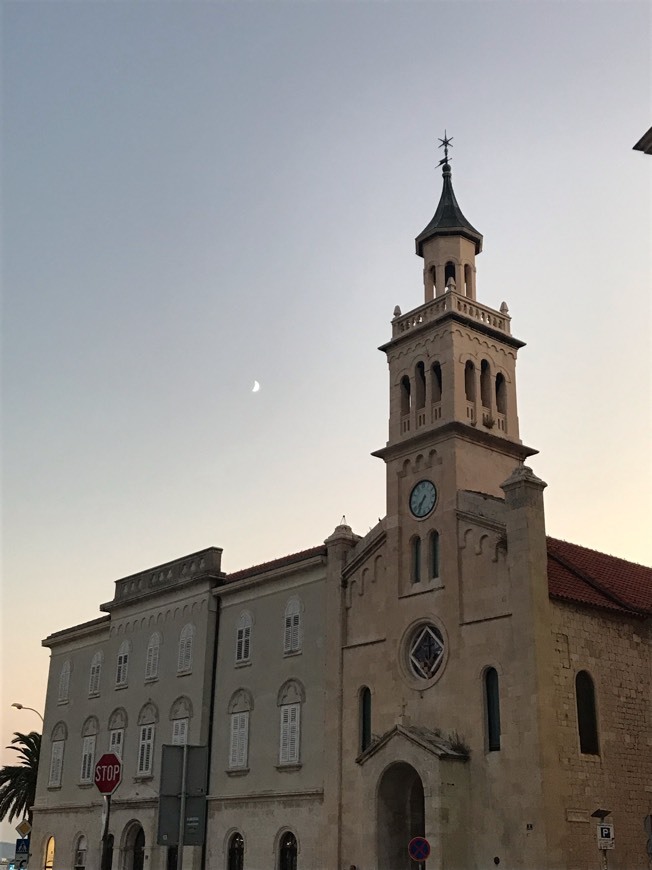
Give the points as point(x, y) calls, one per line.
point(48, 862)
point(288, 852)
point(134, 848)
point(400, 816)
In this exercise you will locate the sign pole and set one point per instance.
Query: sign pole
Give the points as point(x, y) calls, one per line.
point(182, 807)
point(105, 833)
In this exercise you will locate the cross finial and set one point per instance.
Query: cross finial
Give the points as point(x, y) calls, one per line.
point(445, 142)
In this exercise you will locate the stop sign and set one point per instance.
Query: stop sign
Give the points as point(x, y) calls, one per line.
point(108, 773)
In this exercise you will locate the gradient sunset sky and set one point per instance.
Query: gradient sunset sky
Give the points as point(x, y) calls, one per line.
point(198, 195)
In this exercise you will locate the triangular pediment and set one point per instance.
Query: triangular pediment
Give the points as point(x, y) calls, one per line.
point(429, 741)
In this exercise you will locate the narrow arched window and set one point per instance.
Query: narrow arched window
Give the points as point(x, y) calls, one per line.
point(485, 384)
point(587, 720)
point(492, 709)
point(433, 554)
point(152, 656)
point(288, 852)
point(436, 382)
point(292, 627)
point(122, 665)
point(365, 718)
point(64, 682)
point(48, 863)
point(406, 395)
point(236, 852)
point(449, 272)
point(468, 281)
point(184, 658)
point(469, 381)
point(420, 389)
point(243, 638)
point(95, 674)
point(501, 394)
point(416, 559)
point(80, 853)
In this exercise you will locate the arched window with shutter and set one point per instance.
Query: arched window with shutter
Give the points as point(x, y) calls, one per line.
point(243, 638)
point(95, 674)
point(152, 656)
point(184, 659)
point(292, 627)
point(64, 682)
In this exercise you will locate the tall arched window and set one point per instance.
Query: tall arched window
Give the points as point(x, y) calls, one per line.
point(236, 852)
point(122, 664)
point(292, 627)
point(420, 385)
point(243, 638)
point(501, 394)
point(415, 548)
point(485, 384)
point(492, 709)
point(89, 737)
point(152, 656)
point(433, 554)
point(469, 381)
point(240, 706)
point(147, 719)
point(406, 395)
point(365, 718)
point(64, 682)
point(117, 725)
point(95, 674)
point(587, 720)
point(58, 745)
point(436, 382)
point(184, 658)
point(290, 699)
point(449, 272)
point(80, 853)
point(468, 281)
point(48, 863)
point(288, 852)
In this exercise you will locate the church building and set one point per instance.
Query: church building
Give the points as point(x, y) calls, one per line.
point(454, 676)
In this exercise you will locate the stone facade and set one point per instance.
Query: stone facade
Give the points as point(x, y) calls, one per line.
point(454, 674)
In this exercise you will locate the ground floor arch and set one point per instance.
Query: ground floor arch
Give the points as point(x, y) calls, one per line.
point(133, 857)
point(400, 815)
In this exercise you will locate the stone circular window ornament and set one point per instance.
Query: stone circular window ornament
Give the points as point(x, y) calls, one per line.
point(424, 653)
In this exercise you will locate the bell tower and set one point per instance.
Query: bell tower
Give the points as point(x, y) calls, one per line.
point(452, 363)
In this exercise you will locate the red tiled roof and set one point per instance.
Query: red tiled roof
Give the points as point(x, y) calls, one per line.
point(596, 579)
point(283, 562)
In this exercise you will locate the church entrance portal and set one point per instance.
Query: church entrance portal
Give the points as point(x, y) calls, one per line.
point(401, 816)
point(135, 848)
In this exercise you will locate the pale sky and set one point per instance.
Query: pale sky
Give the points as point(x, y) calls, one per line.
point(197, 195)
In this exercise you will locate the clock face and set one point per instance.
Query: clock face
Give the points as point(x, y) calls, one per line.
point(423, 498)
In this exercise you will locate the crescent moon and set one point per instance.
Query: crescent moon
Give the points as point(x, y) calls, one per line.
point(255, 387)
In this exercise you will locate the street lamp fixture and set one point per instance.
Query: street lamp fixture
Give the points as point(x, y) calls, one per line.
point(23, 707)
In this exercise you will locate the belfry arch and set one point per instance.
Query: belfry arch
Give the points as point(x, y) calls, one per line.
point(400, 815)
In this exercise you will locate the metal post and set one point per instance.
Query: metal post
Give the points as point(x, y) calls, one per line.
point(105, 833)
point(182, 807)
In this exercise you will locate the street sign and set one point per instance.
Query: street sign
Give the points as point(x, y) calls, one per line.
point(22, 847)
point(605, 836)
point(108, 773)
point(24, 828)
point(418, 848)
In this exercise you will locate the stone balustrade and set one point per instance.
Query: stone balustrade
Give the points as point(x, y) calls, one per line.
point(447, 302)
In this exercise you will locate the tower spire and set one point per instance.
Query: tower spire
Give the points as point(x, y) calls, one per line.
point(448, 220)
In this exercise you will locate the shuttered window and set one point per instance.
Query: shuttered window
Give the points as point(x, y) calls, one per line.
point(87, 759)
point(95, 674)
point(64, 682)
point(146, 750)
point(290, 734)
point(152, 657)
point(56, 764)
point(238, 754)
point(116, 739)
point(292, 627)
point(179, 732)
point(184, 660)
point(243, 639)
point(122, 665)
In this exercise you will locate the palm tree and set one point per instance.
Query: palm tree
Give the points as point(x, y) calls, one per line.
point(18, 781)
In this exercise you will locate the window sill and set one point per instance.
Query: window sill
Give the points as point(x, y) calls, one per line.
point(93, 695)
point(184, 673)
point(594, 759)
point(293, 652)
point(246, 664)
point(149, 680)
point(289, 768)
point(143, 777)
point(237, 771)
point(421, 587)
point(121, 686)
point(54, 787)
point(85, 784)
point(62, 702)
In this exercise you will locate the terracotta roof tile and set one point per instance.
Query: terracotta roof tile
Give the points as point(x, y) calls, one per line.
point(596, 579)
point(283, 562)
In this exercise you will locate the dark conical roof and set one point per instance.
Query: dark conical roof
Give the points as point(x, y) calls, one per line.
point(448, 219)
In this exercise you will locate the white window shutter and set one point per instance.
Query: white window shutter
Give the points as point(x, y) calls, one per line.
point(233, 754)
point(246, 643)
point(293, 741)
point(285, 735)
point(296, 633)
point(88, 759)
point(56, 763)
point(287, 635)
point(115, 741)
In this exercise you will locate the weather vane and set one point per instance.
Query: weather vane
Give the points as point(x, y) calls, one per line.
point(445, 142)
